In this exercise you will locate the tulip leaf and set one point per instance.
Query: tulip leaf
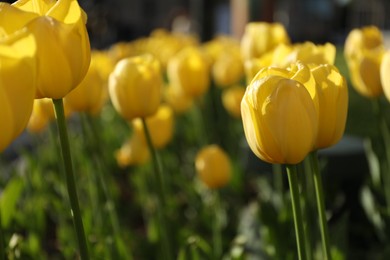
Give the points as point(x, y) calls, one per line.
point(8, 200)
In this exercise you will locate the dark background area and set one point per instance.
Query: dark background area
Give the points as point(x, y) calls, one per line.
point(111, 21)
point(315, 20)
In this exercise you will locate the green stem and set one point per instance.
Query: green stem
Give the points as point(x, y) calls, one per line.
point(297, 210)
point(306, 210)
point(164, 238)
point(277, 175)
point(101, 183)
point(384, 133)
point(70, 182)
point(2, 241)
point(217, 238)
point(320, 205)
point(200, 124)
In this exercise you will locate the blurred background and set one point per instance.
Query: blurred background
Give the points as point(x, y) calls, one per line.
point(318, 20)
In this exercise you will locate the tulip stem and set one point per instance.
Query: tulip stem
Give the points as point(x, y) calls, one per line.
point(217, 239)
point(70, 181)
point(320, 205)
point(384, 132)
point(297, 210)
point(94, 144)
point(2, 241)
point(161, 199)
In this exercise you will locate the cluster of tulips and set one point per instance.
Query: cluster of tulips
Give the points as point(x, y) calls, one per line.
point(162, 86)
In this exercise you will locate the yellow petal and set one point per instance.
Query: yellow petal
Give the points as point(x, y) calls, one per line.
point(333, 98)
point(385, 74)
point(13, 19)
point(40, 7)
point(213, 166)
point(17, 57)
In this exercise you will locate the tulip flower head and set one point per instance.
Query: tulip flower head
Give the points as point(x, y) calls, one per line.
point(135, 86)
point(261, 37)
point(90, 95)
point(17, 83)
point(63, 47)
point(231, 100)
point(189, 69)
point(332, 92)
point(133, 152)
point(363, 52)
point(385, 74)
point(177, 99)
point(309, 53)
point(228, 69)
point(160, 125)
point(279, 118)
point(213, 166)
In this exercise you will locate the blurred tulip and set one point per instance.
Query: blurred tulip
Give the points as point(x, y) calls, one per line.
point(177, 99)
point(231, 100)
point(90, 95)
point(43, 113)
point(385, 74)
point(103, 63)
point(219, 45)
point(363, 52)
point(39, 119)
point(333, 104)
point(189, 69)
point(121, 50)
point(365, 38)
point(279, 118)
point(135, 86)
point(160, 125)
point(133, 152)
point(18, 83)
point(261, 37)
point(308, 53)
point(275, 57)
point(228, 69)
point(163, 44)
point(213, 166)
point(62, 42)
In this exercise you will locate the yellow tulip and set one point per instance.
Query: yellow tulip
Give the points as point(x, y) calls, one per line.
point(364, 71)
point(385, 74)
point(296, 71)
point(231, 100)
point(62, 42)
point(228, 69)
point(177, 99)
point(39, 118)
point(363, 52)
point(133, 152)
point(332, 92)
point(189, 69)
point(219, 45)
point(17, 83)
point(103, 63)
point(261, 37)
point(275, 57)
point(213, 166)
point(135, 86)
point(160, 125)
point(43, 113)
point(90, 95)
point(308, 53)
point(279, 118)
point(365, 38)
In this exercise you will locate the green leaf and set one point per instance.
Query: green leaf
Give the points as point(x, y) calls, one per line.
point(8, 200)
